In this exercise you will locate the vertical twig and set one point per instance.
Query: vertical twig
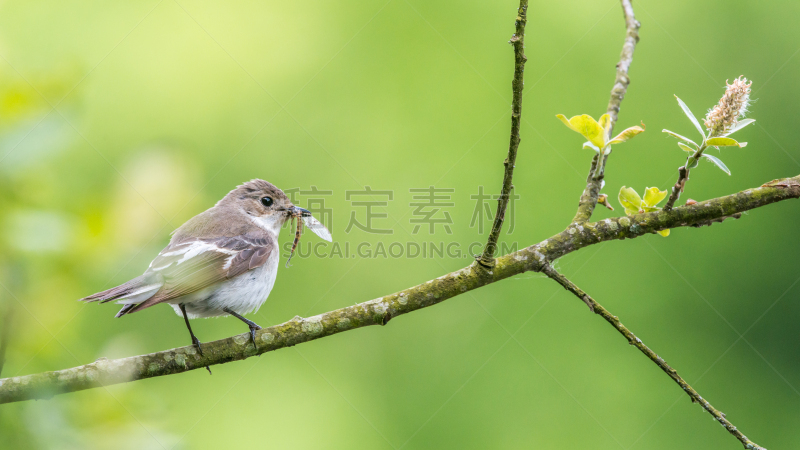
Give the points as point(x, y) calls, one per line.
point(633, 340)
point(683, 177)
point(518, 41)
point(594, 183)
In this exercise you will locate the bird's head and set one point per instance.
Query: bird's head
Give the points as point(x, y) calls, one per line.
point(266, 205)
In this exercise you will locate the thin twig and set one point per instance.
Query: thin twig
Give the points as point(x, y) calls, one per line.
point(659, 361)
point(594, 183)
point(683, 177)
point(380, 310)
point(518, 41)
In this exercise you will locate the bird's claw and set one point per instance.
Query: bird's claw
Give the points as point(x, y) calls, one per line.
point(196, 343)
point(253, 329)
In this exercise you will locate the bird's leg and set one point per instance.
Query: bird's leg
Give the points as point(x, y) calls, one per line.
point(195, 341)
point(253, 326)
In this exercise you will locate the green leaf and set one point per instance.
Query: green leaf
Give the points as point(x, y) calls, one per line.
point(724, 142)
point(627, 134)
point(564, 119)
point(653, 196)
point(686, 148)
point(587, 126)
point(691, 163)
point(678, 136)
point(718, 162)
point(691, 117)
point(739, 125)
point(629, 200)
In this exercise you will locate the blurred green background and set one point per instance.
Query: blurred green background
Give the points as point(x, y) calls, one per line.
point(162, 107)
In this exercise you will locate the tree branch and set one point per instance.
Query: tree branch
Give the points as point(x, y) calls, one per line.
point(594, 183)
point(518, 41)
point(380, 310)
point(659, 361)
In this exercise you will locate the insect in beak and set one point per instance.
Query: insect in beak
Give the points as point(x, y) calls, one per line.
point(304, 216)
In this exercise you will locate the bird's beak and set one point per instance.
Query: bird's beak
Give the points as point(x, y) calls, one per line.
point(296, 211)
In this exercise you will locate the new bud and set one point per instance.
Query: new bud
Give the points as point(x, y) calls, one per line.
point(731, 107)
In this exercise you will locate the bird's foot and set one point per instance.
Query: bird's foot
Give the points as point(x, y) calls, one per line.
point(196, 343)
point(253, 328)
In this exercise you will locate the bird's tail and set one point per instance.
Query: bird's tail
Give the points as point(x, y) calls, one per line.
point(130, 294)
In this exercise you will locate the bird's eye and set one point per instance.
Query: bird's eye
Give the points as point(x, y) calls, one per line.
point(266, 201)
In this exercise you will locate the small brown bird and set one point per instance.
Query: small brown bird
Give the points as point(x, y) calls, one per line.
point(221, 262)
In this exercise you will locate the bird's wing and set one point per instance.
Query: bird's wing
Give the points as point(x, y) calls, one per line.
point(193, 264)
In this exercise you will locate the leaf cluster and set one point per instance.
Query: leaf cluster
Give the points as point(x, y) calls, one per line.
point(696, 151)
